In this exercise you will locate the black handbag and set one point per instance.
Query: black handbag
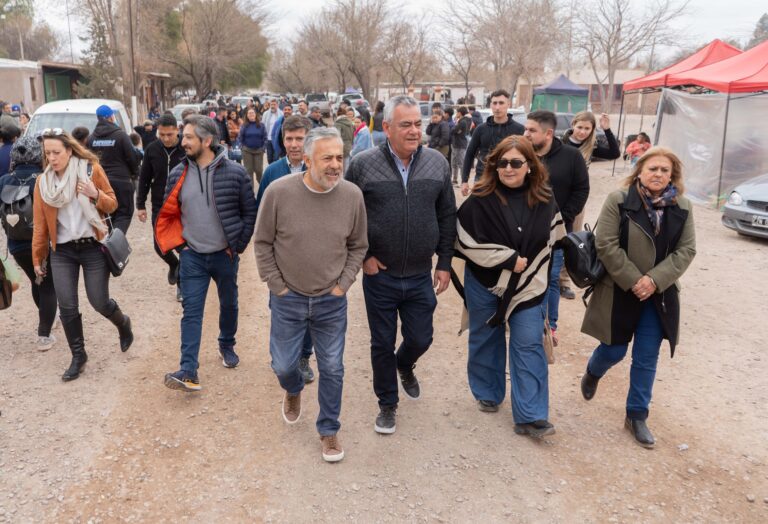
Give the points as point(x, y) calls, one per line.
point(581, 260)
point(116, 250)
point(115, 246)
point(16, 211)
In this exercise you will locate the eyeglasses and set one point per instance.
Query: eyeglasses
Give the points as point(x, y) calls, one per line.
point(515, 163)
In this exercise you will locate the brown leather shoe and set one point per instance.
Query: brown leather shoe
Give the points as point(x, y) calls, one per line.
point(332, 450)
point(291, 408)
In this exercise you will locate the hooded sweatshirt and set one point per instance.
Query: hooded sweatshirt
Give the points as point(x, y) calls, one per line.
point(202, 226)
point(347, 130)
point(485, 137)
point(115, 151)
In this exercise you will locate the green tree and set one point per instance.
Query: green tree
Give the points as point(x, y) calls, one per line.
point(761, 32)
point(99, 70)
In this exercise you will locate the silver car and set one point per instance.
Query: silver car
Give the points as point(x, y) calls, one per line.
point(746, 211)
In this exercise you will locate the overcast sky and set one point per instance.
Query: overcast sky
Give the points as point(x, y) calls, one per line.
point(706, 19)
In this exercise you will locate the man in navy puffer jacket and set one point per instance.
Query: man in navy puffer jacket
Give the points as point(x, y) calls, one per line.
point(209, 211)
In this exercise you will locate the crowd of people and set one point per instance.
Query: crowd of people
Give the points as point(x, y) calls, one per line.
point(363, 192)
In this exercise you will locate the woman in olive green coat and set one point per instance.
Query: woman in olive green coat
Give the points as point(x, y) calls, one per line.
point(646, 239)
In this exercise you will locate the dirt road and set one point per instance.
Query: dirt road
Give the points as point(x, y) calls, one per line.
point(116, 445)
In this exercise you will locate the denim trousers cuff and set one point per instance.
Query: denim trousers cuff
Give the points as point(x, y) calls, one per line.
point(637, 414)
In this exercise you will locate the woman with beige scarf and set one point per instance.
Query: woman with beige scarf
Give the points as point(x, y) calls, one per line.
point(69, 202)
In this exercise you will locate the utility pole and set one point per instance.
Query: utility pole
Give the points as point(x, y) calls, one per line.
point(130, 38)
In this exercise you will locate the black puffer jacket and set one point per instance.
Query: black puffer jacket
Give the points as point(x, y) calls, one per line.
point(485, 137)
point(115, 151)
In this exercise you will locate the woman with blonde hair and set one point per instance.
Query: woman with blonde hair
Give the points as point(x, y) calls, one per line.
point(71, 197)
point(506, 230)
point(646, 241)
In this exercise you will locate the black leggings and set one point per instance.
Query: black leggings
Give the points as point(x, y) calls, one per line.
point(66, 262)
point(44, 294)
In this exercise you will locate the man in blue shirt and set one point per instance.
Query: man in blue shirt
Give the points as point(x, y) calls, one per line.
point(294, 130)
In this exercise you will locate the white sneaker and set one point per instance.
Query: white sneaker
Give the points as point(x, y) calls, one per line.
point(45, 343)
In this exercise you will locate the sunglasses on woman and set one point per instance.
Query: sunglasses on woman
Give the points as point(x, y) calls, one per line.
point(49, 132)
point(515, 163)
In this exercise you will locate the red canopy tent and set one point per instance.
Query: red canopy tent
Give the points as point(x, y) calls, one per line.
point(713, 52)
point(746, 72)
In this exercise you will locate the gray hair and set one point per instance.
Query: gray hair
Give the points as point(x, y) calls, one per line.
point(320, 133)
point(395, 101)
point(204, 126)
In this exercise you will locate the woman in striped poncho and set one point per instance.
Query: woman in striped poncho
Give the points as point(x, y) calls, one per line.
point(507, 229)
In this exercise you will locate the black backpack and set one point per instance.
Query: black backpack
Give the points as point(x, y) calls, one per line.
point(16, 210)
point(581, 260)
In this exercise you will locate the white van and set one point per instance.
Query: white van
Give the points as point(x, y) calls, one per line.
point(68, 114)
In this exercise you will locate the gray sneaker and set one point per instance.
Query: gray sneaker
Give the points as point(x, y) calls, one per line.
point(306, 370)
point(385, 421)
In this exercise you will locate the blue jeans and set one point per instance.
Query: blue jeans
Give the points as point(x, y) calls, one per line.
point(306, 344)
point(325, 317)
point(270, 152)
point(645, 356)
point(486, 365)
point(552, 298)
point(414, 299)
point(196, 271)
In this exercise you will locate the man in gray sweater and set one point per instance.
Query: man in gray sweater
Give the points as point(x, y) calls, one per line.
point(411, 217)
point(310, 243)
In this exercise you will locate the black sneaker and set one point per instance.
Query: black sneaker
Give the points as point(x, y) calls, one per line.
point(182, 380)
point(306, 370)
point(537, 428)
point(567, 293)
point(487, 406)
point(410, 383)
point(229, 358)
point(385, 421)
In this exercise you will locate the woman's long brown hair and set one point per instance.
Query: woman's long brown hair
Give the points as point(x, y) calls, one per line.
point(77, 148)
point(538, 177)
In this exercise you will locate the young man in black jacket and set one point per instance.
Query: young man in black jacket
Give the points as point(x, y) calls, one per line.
point(160, 157)
point(120, 162)
point(459, 142)
point(487, 135)
point(569, 179)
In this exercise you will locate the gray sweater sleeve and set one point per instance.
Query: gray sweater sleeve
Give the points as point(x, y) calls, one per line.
point(263, 245)
point(357, 246)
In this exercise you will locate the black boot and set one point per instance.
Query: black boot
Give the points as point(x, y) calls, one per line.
point(640, 431)
point(589, 385)
point(73, 330)
point(123, 323)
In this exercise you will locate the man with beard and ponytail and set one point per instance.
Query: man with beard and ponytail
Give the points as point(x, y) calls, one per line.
point(311, 237)
point(209, 211)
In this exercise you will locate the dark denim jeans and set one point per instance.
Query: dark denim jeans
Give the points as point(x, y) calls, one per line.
point(196, 271)
point(645, 356)
point(124, 191)
point(325, 317)
point(306, 343)
point(528, 371)
point(552, 298)
point(386, 296)
point(66, 262)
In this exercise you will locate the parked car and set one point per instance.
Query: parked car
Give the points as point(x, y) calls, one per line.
point(242, 100)
point(69, 114)
point(319, 100)
point(746, 210)
point(517, 116)
point(355, 99)
point(177, 110)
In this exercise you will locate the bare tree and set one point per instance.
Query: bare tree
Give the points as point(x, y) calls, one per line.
point(214, 37)
point(326, 43)
point(406, 51)
point(460, 51)
point(612, 32)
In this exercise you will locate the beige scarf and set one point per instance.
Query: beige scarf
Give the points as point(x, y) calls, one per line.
point(58, 197)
